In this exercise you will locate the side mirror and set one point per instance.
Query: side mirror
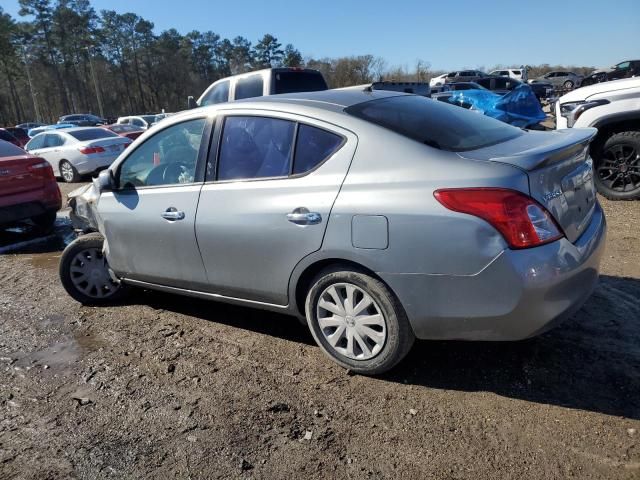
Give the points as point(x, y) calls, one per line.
point(191, 103)
point(105, 181)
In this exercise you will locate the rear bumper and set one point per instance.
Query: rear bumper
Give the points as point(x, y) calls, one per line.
point(22, 206)
point(90, 165)
point(520, 294)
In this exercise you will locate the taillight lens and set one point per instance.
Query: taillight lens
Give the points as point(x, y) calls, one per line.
point(89, 150)
point(521, 220)
point(42, 169)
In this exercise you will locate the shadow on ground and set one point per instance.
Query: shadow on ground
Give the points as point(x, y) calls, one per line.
point(591, 362)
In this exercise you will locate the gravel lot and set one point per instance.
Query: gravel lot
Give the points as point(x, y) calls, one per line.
point(173, 387)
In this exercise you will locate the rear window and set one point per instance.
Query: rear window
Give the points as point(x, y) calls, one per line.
point(436, 124)
point(91, 134)
point(293, 82)
point(6, 136)
point(9, 149)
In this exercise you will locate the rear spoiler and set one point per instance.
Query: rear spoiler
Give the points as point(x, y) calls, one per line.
point(567, 145)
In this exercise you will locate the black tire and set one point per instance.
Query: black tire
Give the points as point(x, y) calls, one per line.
point(73, 176)
point(399, 335)
point(91, 242)
point(44, 222)
point(617, 166)
point(568, 84)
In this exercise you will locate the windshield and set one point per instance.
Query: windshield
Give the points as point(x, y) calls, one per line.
point(91, 134)
point(436, 124)
point(294, 81)
point(150, 119)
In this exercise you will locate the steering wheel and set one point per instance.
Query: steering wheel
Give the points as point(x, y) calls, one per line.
point(172, 172)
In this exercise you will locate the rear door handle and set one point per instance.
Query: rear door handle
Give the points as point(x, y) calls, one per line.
point(302, 216)
point(172, 214)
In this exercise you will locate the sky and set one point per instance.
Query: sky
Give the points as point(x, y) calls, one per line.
point(447, 35)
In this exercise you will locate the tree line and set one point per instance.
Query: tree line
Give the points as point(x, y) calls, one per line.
point(61, 56)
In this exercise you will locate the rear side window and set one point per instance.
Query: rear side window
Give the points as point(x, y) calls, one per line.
point(92, 134)
point(313, 146)
point(255, 147)
point(292, 82)
point(249, 87)
point(436, 124)
point(218, 94)
point(53, 140)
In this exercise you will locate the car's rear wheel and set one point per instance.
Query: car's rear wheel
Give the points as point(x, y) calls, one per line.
point(68, 172)
point(84, 272)
point(568, 84)
point(617, 167)
point(45, 221)
point(357, 321)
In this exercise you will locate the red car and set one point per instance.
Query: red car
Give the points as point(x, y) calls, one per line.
point(124, 130)
point(28, 189)
point(20, 134)
point(7, 137)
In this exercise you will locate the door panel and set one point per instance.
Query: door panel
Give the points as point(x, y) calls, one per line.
point(142, 245)
point(248, 244)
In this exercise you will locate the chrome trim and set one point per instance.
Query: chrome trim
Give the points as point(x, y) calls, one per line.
point(199, 294)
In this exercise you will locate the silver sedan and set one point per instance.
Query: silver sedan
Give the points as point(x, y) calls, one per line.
point(74, 152)
point(377, 217)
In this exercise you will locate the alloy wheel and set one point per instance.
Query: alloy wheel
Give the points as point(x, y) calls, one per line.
point(90, 274)
point(66, 170)
point(619, 168)
point(351, 322)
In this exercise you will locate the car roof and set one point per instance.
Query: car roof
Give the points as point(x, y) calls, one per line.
point(334, 101)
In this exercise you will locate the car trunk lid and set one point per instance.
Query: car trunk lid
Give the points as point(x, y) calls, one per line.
point(560, 172)
point(16, 176)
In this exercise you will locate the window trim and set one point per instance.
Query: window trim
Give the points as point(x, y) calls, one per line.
point(203, 153)
point(218, 144)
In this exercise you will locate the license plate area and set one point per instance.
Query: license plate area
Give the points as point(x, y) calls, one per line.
point(580, 193)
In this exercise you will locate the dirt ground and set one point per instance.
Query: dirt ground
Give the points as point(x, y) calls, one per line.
point(171, 387)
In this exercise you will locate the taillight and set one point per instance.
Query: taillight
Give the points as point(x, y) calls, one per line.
point(521, 220)
point(42, 169)
point(89, 150)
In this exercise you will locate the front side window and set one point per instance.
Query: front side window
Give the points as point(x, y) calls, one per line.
point(218, 94)
point(255, 147)
point(623, 65)
point(314, 146)
point(137, 122)
point(167, 158)
point(249, 87)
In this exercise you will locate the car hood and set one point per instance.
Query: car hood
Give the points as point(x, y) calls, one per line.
point(584, 93)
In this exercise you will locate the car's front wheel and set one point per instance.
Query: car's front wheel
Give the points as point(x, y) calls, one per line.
point(84, 272)
point(68, 172)
point(617, 167)
point(357, 321)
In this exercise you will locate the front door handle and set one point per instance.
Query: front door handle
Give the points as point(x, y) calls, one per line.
point(302, 216)
point(172, 214)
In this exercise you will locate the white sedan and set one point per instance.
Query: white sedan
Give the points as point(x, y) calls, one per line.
point(77, 151)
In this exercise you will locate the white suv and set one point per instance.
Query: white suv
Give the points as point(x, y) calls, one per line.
point(508, 72)
point(614, 109)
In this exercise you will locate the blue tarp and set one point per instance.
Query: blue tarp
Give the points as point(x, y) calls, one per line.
point(519, 107)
